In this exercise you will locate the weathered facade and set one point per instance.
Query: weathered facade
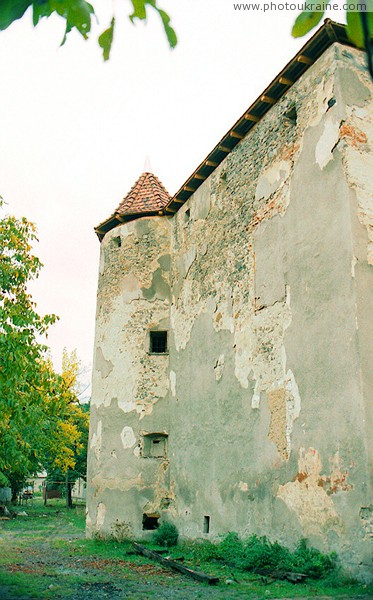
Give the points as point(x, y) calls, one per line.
point(255, 414)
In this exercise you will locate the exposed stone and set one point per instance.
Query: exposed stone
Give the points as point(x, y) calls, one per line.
point(262, 281)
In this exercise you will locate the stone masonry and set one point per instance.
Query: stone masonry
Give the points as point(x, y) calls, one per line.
point(257, 417)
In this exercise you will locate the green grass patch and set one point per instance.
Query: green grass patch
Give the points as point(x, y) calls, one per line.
point(45, 555)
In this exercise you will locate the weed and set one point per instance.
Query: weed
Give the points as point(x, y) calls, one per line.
point(166, 535)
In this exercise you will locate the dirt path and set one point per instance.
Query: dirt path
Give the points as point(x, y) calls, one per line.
point(74, 577)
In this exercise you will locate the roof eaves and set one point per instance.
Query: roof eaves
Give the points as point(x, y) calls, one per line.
point(324, 37)
point(116, 219)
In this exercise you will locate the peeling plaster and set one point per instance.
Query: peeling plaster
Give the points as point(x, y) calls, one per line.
point(217, 268)
point(128, 437)
point(359, 168)
point(102, 483)
point(173, 383)
point(327, 142)
point(272, 179)
point(161, 489)
point(104, 366)
point(101, 512)
point(219, 367)
point(306, 496)
point(366, 518)
point(96, 440)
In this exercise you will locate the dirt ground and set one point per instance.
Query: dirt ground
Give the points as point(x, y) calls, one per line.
point(102, 578)
point(45, 555)
point(41, 569)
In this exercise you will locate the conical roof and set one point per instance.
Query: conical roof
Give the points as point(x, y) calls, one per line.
point(147, 196)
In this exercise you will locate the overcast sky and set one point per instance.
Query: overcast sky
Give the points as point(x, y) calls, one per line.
point(75, 131)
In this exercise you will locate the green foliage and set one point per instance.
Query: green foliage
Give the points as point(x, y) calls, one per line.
point(359, 26)
point(259, 554)
point(24, 381)
point(78, 15)
point(166, 535)
point(41, 422)
point(106, 39)
point(306, 21)
point(310, 561)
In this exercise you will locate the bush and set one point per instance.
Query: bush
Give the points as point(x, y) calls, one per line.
point(258, 553)
point(312, 562)
point(166, 535)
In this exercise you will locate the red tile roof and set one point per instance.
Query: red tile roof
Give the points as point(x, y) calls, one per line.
point(146, 195)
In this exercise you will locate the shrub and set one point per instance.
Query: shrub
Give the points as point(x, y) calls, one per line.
point(258, 553)
point(166, 535)
point(312, 562)
point(262, 554)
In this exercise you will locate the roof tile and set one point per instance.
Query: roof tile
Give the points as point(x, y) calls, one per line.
point(146, 195)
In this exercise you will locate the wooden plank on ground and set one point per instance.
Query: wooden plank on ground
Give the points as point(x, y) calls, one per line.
point(171, 564)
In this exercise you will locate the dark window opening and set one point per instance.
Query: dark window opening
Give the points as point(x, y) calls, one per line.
point(155, 445)
point(158, 342)
point(187, 215)
point(331, 103)
point(150, 522)
point(117, 242)
point(206, 524)
point(291, 115)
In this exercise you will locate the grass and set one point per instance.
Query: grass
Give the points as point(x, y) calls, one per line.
point(45, 555)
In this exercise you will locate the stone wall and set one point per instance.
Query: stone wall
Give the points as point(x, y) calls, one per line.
point(264, 393)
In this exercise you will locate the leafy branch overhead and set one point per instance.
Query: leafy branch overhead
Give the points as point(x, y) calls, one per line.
point(359, 26)
point(78, 15)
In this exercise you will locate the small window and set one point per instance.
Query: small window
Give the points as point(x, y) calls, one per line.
point(206, 524)
point(155, 445)
point(187, 215)
point(116, 242)
point(291, 115)
point(158, 342)
point(150, 522)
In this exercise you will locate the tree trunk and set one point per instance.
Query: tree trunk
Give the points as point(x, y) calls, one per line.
point(69, 501)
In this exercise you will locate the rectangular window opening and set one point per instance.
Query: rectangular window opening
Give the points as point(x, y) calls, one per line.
point(158, 342)
point(150, 522)
point(206, 524)
point(154, 445)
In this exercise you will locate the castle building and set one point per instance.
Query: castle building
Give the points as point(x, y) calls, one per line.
point(232, 384)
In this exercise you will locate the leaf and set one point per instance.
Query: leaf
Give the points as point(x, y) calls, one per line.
point(170, 32)
point(139, 12)
point(106, 39)
point(41, 8)
point(355, 30)
point(77, 14)
point(306, 21)
point(11, 11)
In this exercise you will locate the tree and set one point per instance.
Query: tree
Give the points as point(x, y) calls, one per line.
point(78, 15)
point(41, 422)
point(25, 383)
point(66, 455)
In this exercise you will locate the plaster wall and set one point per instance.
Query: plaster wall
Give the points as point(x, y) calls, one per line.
point(130, 385)
point(264, 281)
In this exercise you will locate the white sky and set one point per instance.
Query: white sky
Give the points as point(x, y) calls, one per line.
point(74, 131)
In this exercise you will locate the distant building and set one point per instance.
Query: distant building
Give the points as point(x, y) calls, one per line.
point(232, 386)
